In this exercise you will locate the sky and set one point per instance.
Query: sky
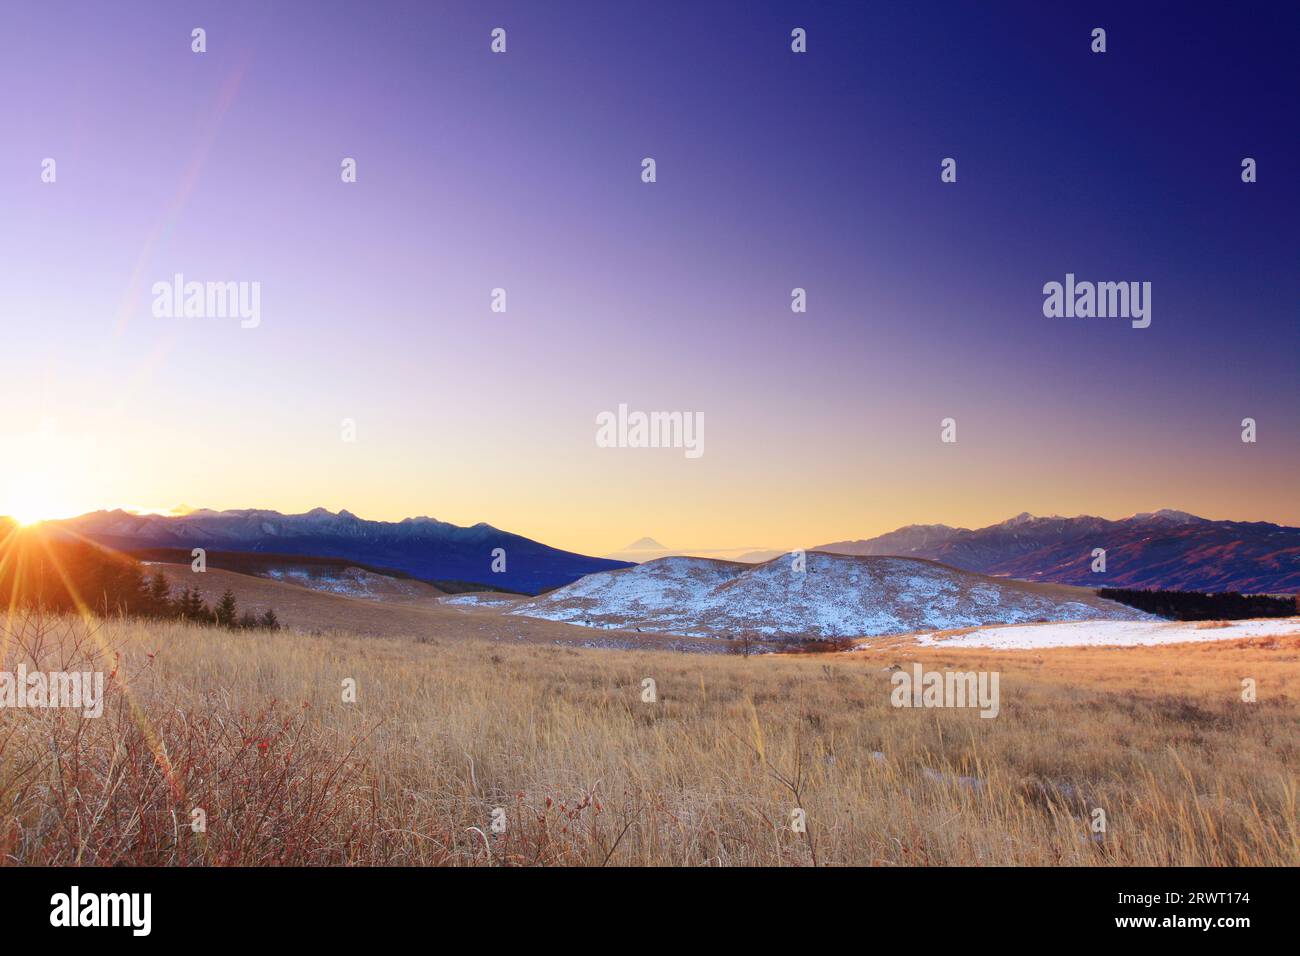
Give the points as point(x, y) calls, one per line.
point(522, 170)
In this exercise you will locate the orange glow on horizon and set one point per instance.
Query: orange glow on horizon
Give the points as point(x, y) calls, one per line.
point(31, 506)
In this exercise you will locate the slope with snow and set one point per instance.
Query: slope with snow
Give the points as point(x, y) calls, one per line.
point(356, 582)
point(837, 596)
point(1114, 633)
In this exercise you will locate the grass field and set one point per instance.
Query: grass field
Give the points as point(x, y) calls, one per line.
point(251, 728)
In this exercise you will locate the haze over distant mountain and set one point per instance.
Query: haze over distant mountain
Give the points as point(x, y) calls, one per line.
point(1161, 549)
point(422, 547)
point(642, 549)
point(645, 544)
point(648, 549)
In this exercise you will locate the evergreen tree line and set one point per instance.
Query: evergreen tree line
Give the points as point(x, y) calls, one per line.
point(189, 606)
point(1199, 606)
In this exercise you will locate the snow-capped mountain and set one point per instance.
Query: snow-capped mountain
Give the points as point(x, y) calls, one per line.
point(836, 596)
point(1161, 549)
point(423, 547)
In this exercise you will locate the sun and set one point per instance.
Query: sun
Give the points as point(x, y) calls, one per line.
point(26, 517)
point(30, 508)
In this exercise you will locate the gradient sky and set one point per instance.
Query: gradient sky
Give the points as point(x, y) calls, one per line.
point(775, 170)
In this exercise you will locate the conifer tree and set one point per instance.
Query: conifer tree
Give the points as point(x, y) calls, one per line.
point(225, 611)
point(191, 606)
point(159, 595)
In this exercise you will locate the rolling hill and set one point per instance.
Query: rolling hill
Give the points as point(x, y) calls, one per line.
point(838, 596)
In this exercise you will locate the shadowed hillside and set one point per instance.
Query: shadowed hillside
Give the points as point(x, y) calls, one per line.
point(1161, 550)
point(424, 548)
point(61, 574)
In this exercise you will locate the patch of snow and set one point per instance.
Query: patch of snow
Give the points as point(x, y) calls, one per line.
point(1114, 633)
point(350, 582)
point(478, 600)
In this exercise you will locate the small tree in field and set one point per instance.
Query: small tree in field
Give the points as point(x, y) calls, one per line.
point(226, 611)
point(191, 606)
point(270, 621)
point(743, 645)
point(158, 596)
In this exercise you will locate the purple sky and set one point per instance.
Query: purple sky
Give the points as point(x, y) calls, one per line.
point(775, 170)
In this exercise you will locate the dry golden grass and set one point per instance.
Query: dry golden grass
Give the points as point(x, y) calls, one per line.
point(251, 727)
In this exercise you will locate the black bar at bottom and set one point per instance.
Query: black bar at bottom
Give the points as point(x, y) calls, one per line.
point(334, 906)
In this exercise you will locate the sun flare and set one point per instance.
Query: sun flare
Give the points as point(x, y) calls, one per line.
point(27, 517)
point(32, 508)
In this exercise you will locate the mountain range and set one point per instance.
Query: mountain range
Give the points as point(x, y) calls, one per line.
point(424, 548)
point(1163, 549)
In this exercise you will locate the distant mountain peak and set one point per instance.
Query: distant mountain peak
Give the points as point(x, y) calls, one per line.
point(1023, 518)
point(645, 544)
point(1166, 514)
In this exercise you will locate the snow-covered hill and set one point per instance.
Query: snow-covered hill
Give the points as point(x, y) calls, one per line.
point(837, 596)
